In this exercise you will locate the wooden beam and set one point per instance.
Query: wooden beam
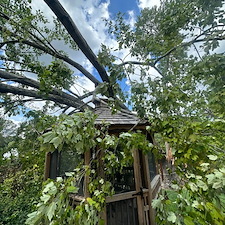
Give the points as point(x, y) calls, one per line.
point(47, 165)
point(147, 172)
point(138, 186)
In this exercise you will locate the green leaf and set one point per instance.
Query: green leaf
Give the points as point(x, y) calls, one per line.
point(156, 203)
point(195, 204)
point(188, 220)
point(222, 170)
point(91, 201)
point(69, 174)
point(193, 186)
point(172, 217)
point(51, 210)
point(33, 218)
point(99, 139)
point(59, 179)
point(56, 141)
point(193, 137)
point(48, 137)
point(53, 190)
point(71, 189)
point(212, 157)
point(202, 185)
point(205, 166)
point(217, 185)
point(125, 135)
point(45, 198)
point(48, 186)
point(210, 178)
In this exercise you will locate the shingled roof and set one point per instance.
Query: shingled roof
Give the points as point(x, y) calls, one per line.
point(121, 117)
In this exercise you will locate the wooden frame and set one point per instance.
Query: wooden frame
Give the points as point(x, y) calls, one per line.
point(145, 189)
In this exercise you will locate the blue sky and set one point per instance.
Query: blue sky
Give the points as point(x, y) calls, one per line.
point(123, 6)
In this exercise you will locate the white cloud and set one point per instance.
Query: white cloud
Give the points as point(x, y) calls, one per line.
point(82, 85)
point(88, 16)
point(148, 3)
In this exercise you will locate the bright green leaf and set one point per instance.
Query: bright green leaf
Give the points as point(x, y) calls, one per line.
point(51, 210)
point(172, 217)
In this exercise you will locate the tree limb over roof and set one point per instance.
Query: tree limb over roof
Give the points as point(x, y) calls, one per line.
point(72, 29)
point(32, 90)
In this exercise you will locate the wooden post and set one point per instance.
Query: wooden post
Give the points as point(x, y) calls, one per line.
point(146, 171)
point(138, 182)
point(47, 165)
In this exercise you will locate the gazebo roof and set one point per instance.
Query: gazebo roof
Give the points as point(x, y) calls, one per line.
point(121, 117)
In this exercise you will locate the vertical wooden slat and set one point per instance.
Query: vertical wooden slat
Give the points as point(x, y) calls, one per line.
point(138, 186)
point(146, 169)
point(47, 165)
point(87, 157)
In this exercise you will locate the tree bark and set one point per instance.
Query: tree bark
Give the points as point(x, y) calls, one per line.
point(5, 88)
point(72, 29)
point(35, 84)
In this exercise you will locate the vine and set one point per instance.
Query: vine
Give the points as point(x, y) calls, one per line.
point(79, 133)
point(196, 195)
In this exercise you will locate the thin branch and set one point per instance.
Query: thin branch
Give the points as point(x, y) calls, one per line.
point(18, 103)
point(19, 70)
point(197, 51)
point(8, 42)
point(141, 64)
point(195, 40)
point(81, 107)
point(77, 90)
point(87, 95)
point(59, 56)
point(65, 109)
point(43, 38)
point(33, 35)
point(71, 92)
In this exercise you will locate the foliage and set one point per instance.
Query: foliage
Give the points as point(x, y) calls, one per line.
point(55, 205)
point(197, 194)
point(184, 98)
point(181, 41)
point(7, 129)
point(22, 170)
point(200, 201)
point(17, 194)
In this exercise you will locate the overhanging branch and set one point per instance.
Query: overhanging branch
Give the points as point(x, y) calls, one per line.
point(153, 64)
point(58, 95)
point(72, 29)
point(5, 88)
point(54, 54)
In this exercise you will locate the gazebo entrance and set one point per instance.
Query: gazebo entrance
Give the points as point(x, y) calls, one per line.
point(135, 186)
point(133, 207)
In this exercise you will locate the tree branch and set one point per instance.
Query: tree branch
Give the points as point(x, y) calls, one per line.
point(56, 55)
point(35, 84)
point(220, 38)
point(72, 29)
point(5, 88)
point(141, 64)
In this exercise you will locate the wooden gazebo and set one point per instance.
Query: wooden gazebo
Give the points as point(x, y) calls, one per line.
point(134, 188)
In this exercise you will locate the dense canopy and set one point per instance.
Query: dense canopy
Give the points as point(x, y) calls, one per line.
point(171, 58)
